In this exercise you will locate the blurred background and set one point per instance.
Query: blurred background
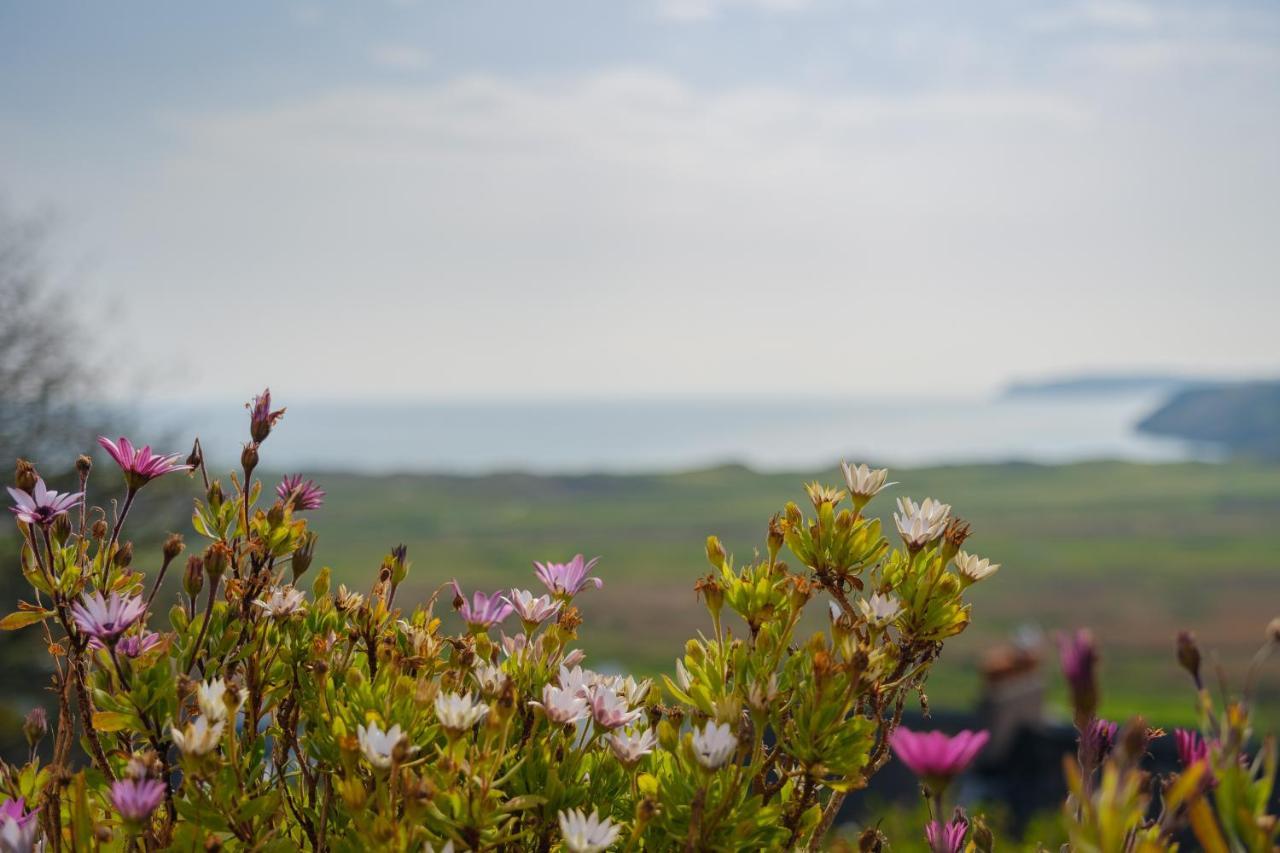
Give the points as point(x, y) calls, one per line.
point(535, 279)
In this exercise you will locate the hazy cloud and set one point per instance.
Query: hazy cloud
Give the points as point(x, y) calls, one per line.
point(400, 57)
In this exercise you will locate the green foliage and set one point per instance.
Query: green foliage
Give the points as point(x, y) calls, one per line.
point(354, 721)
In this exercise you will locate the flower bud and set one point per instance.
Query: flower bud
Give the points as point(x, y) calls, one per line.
point(1079, 658)
point(173, 546)
point(712, 593)
point(981, 836)
point(215, 495)
point(61, 528)
point(301, 560)
point(261, 418)
point(249, 459)
point(35, 726)
point(1189, 654)
point(123, 556)
point(99, 529)
point(953, 537)
point(646, 810)
point(775, 538)
point(84, 464)
point(399, 563)
point(872, 840)
point(217, 557)
point(668, 735)
point(25, 476)
point(196, 457)
point(715, 552)
point(275, 515)
point(193, 577)
point(1134, 740)
point(1273, 630)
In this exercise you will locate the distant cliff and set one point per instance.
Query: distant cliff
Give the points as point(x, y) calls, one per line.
point(1093, 385)
point(1243, 417)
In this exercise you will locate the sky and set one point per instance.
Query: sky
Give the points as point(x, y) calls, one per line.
point(690, 197)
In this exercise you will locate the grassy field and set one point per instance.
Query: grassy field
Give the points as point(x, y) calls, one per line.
point(1135, 551)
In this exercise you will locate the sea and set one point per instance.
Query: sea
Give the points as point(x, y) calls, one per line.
point(675, 434)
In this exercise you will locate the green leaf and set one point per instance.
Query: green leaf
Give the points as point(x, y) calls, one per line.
point(23, 618)
point(111, 721)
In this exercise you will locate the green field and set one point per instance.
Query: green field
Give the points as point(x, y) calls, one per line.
point(1135, 551)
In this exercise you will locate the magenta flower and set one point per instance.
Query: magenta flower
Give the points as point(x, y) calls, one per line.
point(1100, 737)
point(567, 578)
point(261, 418)
point(947, 837)
point(1193, 750)
point(140, 466)
point(106, 619)
point(42, 505)
point(18, 827)
point(936, 757)
point(483, 611)
point(304, 494)
point(136, 799)
point(1079, 657)
point(132, 645)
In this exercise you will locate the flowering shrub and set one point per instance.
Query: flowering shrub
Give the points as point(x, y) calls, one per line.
point(1223, 792)
point(259, 712)
point(271, 715)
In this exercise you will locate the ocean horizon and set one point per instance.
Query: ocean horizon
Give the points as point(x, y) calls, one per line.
point(675, 434)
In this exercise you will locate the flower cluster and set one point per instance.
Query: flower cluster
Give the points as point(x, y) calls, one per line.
point(252, 705)
point(1221, 795)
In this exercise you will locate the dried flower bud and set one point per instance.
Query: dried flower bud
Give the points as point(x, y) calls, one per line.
point(217, 557)
point(1134, 740)
point(35, 726)
point(193, 577)
point(954, 536)
point(123, 556)
point(196, 458)
point(775, 538)
point(712, 593)
point(1189, 654)
point(1273, 630)
point(799, 591)
point(249, 458)
point(646, 809)
point(173, 546)
point(25, 476)
point(569, 620)
point(99, 529)
point(84, 464)
point(981, 836)
point(301, 560)
point(872, 840)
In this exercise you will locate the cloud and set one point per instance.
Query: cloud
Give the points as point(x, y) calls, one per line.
point(702, 10)
point(1102, 15)
point(628, 232)
point(400, 57)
